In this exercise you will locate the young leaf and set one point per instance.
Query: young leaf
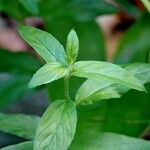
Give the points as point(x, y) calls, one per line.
point(48, 73)
point(72, 47)
point(21, 146)
point(57, 126)
point(108, 141)
point(92, 90)
point(105, 71)
point(44, 44)
point(93, 50)
point(20, 125)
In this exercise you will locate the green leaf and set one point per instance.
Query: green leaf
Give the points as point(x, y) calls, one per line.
point(72, 47)
point(92, 90)
point(105, 71)
point(129, 115)
point(21, 146)
point(30, 5)
point(108, 141)
point(147, 4)
point(57, 126)
point(44, 43)
point(20, 125)
point(93, 50)
point(48, 73)
point(86, 31)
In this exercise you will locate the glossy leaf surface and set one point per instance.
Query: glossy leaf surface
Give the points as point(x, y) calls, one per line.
point(44, 43)
point(57, 126)
point(105, 71)
point(93, 90)
point(48, 73)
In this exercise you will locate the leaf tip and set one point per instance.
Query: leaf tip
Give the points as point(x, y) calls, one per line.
point(72, 32)
point(143, 88)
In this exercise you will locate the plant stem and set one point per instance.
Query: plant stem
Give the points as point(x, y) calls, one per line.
point(66, 87)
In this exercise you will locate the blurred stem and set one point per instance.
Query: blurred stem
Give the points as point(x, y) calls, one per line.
point(66, 87)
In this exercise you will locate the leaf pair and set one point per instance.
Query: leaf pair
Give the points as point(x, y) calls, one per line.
point(57, 61)
point(105, 71)
point(48, 47)
point(94, 90)
point(52, 52)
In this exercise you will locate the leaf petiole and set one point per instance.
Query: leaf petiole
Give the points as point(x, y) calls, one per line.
point(66, 87)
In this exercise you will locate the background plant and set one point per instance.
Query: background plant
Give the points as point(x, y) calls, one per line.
point(56, 128)
point(103, 116)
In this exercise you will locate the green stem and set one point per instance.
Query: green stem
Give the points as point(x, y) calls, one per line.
point(66, 88)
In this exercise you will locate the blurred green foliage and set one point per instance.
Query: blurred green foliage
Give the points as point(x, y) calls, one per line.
point(128, 115)
point(135, 46)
